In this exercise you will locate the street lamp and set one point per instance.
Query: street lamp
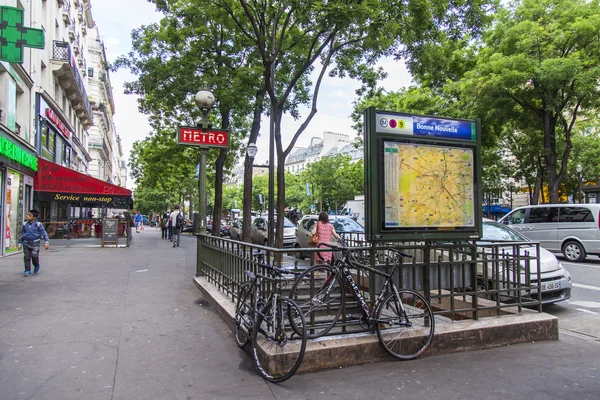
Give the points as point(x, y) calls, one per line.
point(205, 101)
point(251, 151)
point(579, 169)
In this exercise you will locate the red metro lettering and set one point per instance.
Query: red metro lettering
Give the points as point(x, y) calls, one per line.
point(203, 137)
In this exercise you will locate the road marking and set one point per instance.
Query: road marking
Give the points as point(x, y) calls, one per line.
point(579, 285)
point(586, 311)
point(581, 265)
point(586, 304)
point(141, 270)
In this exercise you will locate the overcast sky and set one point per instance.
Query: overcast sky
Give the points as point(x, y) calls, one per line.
point(117, 18)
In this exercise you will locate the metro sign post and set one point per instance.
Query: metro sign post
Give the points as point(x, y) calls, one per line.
point(203, 137)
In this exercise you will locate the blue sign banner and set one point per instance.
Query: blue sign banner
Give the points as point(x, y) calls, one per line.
point(426, 126)
point(307, 189)
point(446, 128)
point(260, 199)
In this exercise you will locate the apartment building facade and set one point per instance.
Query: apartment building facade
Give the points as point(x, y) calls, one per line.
point(47, 117)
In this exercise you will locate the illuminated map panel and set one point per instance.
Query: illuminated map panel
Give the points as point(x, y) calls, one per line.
point(428, 186)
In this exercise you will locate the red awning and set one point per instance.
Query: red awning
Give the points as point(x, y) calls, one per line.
point(54, 182)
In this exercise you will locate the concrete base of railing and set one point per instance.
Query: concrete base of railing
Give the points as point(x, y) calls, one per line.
point(450, 336)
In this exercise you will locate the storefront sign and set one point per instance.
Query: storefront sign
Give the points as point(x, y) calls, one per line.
point(14, 152)
point(109, 201)
point(58, 123)
point(203, 137)
point(57, 183)
point(55, 178)
point(15, 36)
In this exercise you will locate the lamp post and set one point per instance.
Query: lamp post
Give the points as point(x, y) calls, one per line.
point(579, 169)
point(251, 150)
point(205, 101)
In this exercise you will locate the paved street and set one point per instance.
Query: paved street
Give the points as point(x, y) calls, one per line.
point(130, 324)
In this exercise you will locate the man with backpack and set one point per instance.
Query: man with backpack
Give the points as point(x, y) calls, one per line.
point(176, 219)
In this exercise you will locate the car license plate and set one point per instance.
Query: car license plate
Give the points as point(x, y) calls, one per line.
point(550, 286)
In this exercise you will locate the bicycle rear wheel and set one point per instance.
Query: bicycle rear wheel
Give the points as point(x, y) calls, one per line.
point(244, 317)
point(320, 295)
point(406, 334)
point(277, 353)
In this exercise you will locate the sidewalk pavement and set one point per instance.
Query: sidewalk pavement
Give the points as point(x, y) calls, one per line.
point(129, 323)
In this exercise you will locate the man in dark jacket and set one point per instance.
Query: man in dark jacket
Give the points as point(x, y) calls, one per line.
point(31, 236)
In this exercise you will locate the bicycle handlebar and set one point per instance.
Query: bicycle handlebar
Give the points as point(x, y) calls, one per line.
point(343, 247)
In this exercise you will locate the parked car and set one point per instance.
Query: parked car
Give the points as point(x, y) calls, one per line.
point(345, 226)
point(224, 229)
point(236, 228)
point(573, 229)
point(556, 280)
point(260, 235)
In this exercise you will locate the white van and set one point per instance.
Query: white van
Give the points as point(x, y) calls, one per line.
point(571, 229)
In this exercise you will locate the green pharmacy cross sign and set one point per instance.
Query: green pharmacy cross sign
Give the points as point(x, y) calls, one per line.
point(14, 36)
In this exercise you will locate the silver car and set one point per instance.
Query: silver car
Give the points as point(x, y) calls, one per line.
point(352, 232)
point(555, 279)
point(571, 229)
point(260, 231)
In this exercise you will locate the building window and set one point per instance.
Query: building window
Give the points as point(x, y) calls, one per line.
point(47, 143)
point(90, 72)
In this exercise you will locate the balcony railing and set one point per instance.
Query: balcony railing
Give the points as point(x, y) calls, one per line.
point(62, 51)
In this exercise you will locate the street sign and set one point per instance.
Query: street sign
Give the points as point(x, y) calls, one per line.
point(201, 137)
point(424, 177)
point(14, 36)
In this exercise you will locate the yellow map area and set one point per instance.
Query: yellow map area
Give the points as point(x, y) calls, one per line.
point(434, 186)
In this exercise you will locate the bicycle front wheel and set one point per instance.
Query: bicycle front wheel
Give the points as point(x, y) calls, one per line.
point(320, 295)
point(405, 325)
point(277, 350)
point(244, 317)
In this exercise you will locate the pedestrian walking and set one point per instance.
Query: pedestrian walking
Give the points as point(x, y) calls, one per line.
point(31, 236)
point(325, 233)
point(164, 225)
point(176, 220)
point(170, 226)
point(138, 221)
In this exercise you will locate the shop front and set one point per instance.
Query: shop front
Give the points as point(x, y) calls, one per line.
point(72, 205)
point(18, 163)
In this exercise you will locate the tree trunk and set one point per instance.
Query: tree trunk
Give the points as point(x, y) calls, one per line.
point(247, 206)
point(550, 155)
point(216, 228)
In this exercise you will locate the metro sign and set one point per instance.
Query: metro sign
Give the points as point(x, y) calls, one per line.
point(200, 137)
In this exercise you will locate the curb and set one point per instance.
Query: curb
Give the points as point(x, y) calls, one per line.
point(450, 336)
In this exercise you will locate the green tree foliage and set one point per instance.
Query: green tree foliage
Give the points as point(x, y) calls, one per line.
point(150, 200)
point(334, 180)
point(297, 39)
point(157, 163)
point(195, 43)
point(538, 71)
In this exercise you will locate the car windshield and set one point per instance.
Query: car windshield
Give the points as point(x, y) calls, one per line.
point(347, 225)
point(495, 231)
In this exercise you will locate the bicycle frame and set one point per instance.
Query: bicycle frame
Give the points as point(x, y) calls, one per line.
point(274, 327)
point(344, 266)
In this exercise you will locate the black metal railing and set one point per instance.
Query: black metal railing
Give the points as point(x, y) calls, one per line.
point(461, 280)
point(62, 51)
